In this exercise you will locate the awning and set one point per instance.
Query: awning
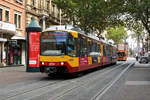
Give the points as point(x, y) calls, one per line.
point(18, 38)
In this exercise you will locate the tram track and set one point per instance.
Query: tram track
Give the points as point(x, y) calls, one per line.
point(23, 90)
point(62, 94)
point(99, 95)
point(73, 83)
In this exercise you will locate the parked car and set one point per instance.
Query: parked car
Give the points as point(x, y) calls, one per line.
point(148, 55)
point(144, 60)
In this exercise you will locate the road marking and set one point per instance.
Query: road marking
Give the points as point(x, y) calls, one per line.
point(99, 95)
point(137, 83)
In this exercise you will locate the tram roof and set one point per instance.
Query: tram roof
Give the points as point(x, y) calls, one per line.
point(77, 29)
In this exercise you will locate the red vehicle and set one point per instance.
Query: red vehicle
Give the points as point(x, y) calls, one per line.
point(122, 52)
point(70, 51)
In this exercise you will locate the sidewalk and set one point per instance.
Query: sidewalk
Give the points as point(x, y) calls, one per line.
point(137, 84)
point(13, 68)
point(12, 75)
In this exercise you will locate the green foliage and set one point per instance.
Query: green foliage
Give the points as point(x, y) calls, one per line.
point(98, 15)
point(139, 10)
point(138, 30)
point(117, 34)
point(91, 15)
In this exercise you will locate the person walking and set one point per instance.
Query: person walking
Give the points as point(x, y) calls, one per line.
point(137, 57)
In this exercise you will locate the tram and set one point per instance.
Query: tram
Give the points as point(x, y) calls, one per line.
point(65, 49)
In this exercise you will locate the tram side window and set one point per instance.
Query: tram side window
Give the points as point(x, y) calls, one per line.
point(104, 50)
point(89, 47)
point(98, 48)
point(94, 47)
point(71, 46)
point(108, 51)
point(114, 52)
point(83, 47)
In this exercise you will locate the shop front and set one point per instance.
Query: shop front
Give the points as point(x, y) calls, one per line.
point(7, 30)
point(15, 52)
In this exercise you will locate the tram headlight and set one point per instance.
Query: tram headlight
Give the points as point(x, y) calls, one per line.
point(62, 63)
point(42, 63)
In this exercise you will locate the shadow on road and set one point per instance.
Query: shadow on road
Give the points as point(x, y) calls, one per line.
point(74, 75)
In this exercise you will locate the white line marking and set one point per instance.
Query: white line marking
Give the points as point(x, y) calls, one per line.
point(99, 95)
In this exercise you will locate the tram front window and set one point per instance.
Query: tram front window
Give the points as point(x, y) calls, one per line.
point(53, 43)
point(120, 54)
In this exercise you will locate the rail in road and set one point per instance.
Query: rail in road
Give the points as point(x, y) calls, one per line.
point(89, 86)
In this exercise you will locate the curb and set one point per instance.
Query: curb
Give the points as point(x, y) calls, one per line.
point(12, 66)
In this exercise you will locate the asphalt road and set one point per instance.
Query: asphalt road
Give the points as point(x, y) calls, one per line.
point(92, 85)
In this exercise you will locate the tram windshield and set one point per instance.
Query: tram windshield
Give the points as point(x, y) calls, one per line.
point(120, 54)
point(53, 43)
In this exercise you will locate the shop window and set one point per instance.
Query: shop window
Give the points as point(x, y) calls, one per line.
point(6, 16)
point(1, 14)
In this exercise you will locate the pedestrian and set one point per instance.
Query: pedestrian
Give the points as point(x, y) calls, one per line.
point(137, 57)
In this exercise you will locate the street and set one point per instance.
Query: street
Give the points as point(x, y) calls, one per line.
point(116, 82)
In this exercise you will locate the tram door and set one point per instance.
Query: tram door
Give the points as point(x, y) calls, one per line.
point(83, 50)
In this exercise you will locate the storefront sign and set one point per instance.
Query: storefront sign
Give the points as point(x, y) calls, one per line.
point(7, 26)
point(3, 39)
point(34, 49)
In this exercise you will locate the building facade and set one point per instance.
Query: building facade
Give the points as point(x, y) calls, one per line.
point(44, 11)
point(12, 32)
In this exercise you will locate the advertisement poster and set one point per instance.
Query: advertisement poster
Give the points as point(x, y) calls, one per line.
point(34, 49)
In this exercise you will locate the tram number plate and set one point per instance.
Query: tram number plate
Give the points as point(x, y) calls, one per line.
point(51, 64)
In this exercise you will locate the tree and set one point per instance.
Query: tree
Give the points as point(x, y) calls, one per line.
point(91, 15)
point(140, 11)
point(138, 34)
point(78, 12)
point(117, 34)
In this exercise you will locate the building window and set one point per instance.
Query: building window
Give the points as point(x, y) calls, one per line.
point(6, 16)
point(17, 20)
point(1, 14)
point(33, 2)
point(48, 5)
point(59, 13)
point(53, 9)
